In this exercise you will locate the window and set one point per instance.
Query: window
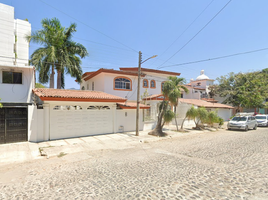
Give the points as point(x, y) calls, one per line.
point(12, 77)
point(92, 86)
point(122, 83)
point(162, 86)
point(198, 84)
point(145, 83)
point(152, 83)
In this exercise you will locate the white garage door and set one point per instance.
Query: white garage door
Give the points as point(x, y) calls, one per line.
point(75, 121)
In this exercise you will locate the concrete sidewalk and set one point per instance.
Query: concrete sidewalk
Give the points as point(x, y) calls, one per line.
point(27, 151)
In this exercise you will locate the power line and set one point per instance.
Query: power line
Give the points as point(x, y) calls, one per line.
point(88, 26)
point(187, 28)
point(216, 58)
point(198, 32)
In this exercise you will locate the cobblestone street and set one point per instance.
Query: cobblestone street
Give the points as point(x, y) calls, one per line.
point(213, 165)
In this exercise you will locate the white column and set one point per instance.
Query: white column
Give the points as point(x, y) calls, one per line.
point(46, 122)
point(114, 117)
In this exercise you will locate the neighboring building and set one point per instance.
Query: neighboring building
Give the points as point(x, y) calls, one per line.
point(124, 82)
point(197, 96)
point(199, 88)
point(17, 77)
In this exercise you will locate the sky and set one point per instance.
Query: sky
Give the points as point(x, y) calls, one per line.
point(178, 31)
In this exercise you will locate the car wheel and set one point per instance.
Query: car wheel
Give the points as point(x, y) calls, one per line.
point(229, 129)
point(255, 127)
point(246, 129)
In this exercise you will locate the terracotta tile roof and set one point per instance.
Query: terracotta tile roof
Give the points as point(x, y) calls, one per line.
point(206, 104)
point(86, 74)
point(48, 94)
point(196, 88)
point(135, 69)
point(132, 105)
point(111, 71)
point(154, 97)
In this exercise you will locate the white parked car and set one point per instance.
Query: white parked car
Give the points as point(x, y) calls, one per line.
point(242, 122)
point(262, 120)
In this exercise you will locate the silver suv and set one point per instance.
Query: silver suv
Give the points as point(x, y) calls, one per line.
point(262, 120)
point(242, 122)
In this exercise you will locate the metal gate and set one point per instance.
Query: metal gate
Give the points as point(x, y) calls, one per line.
point(13, 125)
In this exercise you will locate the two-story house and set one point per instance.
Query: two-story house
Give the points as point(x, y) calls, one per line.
point(124, 83)
point(16, 76)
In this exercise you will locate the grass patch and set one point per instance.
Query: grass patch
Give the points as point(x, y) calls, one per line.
point(61, 154)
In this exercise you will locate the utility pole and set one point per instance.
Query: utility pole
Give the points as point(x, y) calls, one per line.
point(138, 96)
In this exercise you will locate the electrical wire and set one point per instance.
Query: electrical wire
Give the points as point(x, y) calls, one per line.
point(197, 32)
point(185, 29)
point(88, 26)
point(216, 58)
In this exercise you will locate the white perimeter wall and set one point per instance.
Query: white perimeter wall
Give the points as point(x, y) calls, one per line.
point(224, 113)
point(127, 119)
point(35, 124)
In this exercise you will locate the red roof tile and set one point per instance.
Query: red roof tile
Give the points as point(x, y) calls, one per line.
point(206, 104)
point(48, 94)
point(132, 105)
point(135, 69)
point(154, 97)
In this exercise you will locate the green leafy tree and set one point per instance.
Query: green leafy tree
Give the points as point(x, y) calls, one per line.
point(59, 52)
point(244, 89)
point(1, 105)
point(171, 92)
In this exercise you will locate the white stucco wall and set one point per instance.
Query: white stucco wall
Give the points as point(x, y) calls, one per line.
point(11, 29)
point(105, 82)
point(7, 37)
point(22, 29)
point(224, 113)
point(35, 124)
point(127, 119)
point(17, 93)
point(191, 94)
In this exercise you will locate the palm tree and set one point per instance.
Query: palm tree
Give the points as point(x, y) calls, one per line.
point(171, 92)
point(190, 115)
point(198, 115)
point(59, 52)
point(176, 93)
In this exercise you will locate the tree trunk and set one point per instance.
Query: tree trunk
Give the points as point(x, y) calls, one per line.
point(58, 79)
point(51, 81)
point(182, 123)
point(158, 129)
point(175, 111)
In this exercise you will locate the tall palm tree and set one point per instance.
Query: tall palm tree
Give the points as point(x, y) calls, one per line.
point(59, 52)
point(171, 92)
point(176, 93)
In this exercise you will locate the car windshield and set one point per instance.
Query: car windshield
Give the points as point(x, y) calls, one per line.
point(260, 117)
point(239, 119)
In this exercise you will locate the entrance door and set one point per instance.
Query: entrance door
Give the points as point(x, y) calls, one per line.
point(13, 125)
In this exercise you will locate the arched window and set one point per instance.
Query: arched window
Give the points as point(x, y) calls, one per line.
point(162, 86)
point(122, 83)
point(145, 83)
point(153, 84)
